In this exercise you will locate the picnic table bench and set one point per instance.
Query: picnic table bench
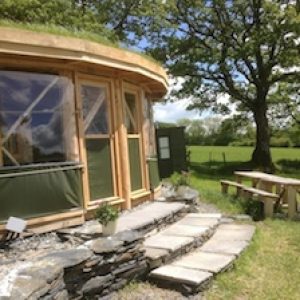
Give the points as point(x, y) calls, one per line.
point(262, 188)
point(267, 198)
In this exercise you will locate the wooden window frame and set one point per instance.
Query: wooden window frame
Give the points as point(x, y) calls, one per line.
point(95, 80)
point(137, 92)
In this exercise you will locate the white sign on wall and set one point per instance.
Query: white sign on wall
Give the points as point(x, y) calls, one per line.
point(16, 224)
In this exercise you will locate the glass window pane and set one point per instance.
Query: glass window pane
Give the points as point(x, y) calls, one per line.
point(37, 121)
point(164, 153)
point(164, 142)
point(131, 116)
point(94, 102)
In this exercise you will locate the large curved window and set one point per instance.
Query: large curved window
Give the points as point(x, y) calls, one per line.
point(37, 120)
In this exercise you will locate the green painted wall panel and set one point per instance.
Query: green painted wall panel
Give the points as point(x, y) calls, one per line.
point(153, 173)
point(135, 164)
point(33, 195)
point(99, 168)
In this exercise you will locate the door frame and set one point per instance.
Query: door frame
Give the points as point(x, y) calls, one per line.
point(107, 83)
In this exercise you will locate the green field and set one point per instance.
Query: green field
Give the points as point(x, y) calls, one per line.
point(270, 268)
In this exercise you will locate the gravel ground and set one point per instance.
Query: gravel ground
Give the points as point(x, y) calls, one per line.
point(146, 291)
point(206, 208)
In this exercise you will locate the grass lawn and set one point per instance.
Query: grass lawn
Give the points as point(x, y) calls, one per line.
point(270, 268)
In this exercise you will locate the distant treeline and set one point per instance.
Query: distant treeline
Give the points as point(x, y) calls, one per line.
point(234, 131)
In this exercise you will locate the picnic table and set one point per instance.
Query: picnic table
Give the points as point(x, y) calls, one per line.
point(287, 186)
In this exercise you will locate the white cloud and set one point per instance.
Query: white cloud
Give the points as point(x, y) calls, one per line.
point(171, 112)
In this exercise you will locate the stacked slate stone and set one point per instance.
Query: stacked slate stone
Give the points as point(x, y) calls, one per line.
point(92, 270)
point(115, 262)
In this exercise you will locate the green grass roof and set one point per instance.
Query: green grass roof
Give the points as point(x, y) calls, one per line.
point(58, 30)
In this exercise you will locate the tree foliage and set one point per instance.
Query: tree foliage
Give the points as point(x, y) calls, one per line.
point(118, 21)
point(246, 49)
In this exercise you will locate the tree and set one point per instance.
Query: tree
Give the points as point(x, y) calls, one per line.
point(195, 132)
point(246, 49)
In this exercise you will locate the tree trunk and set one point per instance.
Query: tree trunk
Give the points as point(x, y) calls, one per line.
point(261, 156)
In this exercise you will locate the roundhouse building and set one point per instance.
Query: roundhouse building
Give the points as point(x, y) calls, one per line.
point(76, 128)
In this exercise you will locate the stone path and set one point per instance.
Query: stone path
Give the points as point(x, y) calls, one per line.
point(194, 271)
point(180, 238)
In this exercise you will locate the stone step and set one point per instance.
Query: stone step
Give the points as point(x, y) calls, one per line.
point(192, 272)
point(187, 281)
point(152, 216)
point(143, 219)
point(179, 238)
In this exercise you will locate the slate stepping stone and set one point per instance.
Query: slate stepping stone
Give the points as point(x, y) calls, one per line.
point(233, 235)
point(177, 274)
point(211, 262)
point(204, 215)
point(243, 227)
point(153, 253)
point(156, 257)
point(147, 215)
point(198, 221)
point(186, 230)
point(223, 246)
point(171, 243)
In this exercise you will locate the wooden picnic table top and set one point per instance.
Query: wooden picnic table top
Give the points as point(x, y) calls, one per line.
point(269, 178)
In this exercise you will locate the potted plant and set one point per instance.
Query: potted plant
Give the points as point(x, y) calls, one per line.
point(180, 182)
point(107, 216)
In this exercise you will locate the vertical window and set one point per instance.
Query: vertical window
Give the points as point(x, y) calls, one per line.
point(164, 147)
point(95, 106)
point(37, 122)
point(131, 120)
point(131, 114)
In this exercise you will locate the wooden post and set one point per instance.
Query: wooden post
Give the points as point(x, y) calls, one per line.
point(266, 186)
point(145, 138)
point(224, 157)
point(292, 202)
point(69, 122)
point(254, 182)
point(224, 188)
point(268, 207)
point(1, 153)
point(81, 139)
point(123, 145)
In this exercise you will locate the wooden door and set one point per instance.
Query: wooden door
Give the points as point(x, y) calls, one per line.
point(132, 120)
point(98, 139)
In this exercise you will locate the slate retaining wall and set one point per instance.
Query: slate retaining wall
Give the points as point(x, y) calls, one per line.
point(96, 268)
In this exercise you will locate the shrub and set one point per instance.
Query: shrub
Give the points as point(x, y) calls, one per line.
point(253, 208)
point(281, 142)
point(178, 179)
point(106, 213)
